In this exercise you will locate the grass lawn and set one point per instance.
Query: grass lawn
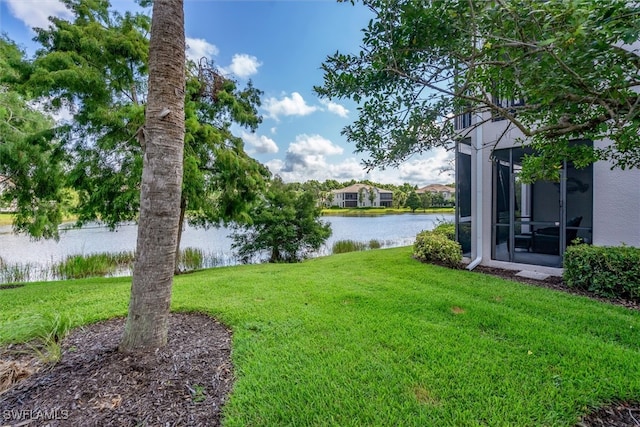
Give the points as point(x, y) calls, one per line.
point(377, 338)
point(6, 219)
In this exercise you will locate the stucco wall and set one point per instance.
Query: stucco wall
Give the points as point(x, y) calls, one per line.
point(616, 206)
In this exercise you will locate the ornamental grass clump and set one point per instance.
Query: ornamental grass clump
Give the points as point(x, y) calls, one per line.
point(434, 247)
point(344, 246)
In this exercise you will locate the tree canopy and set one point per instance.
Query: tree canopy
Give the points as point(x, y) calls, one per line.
point(556, 70)
point(96, 66)
point(31, 158)
point(285, 224)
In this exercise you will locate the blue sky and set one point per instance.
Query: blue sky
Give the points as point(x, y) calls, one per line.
point(280, 46)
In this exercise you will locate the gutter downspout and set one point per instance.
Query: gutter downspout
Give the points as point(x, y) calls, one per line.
point(479, 205)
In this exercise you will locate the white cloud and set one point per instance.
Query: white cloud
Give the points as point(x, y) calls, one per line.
point(275, 165)
point(434, 167)
point(306, 159)
point(314, 145)
point(273, 130)
point(35, 13)
point(200, 48)
point(335, 108)
point(260, 143)
point(243, 65)
point(316, 167)
point(294, 105)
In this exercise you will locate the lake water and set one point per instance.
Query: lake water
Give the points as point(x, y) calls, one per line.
point(389, 230)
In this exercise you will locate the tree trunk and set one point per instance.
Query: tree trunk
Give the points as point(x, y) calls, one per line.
point(183, 211)
point(146, 326)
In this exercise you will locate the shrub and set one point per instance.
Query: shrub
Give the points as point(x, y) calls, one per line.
point(374, 244)
point(447, 229)
point(435, 247)
point(605, 271)
point(343, 246)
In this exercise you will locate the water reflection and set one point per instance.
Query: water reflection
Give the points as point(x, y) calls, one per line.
point(389, 230)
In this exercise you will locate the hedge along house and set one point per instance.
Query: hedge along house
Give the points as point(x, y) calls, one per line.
point(504, 222)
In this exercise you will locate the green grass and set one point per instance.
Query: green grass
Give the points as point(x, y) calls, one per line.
point(7, 218)
point(375, 338)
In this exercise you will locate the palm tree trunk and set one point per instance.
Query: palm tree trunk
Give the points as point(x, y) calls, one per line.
point(146, 326)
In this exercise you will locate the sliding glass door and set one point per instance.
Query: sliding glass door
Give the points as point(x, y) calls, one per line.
point(463, 195)
point(534, 223)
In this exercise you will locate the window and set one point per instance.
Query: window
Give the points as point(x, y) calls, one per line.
point(505, 104)
point(462, 121)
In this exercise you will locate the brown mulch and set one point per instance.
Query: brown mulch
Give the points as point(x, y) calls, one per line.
point(185, 383)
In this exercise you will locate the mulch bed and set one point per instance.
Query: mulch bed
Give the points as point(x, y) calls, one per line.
point(185, 383)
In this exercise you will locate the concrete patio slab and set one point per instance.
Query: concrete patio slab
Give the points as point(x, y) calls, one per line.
point(536, 275)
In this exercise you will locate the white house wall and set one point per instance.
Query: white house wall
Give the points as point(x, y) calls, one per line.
point(616, 195)
point(616, 206)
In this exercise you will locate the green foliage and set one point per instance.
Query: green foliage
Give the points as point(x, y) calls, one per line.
point(436, 247)
point(286, 224)
point(191, 259)
point(426, 201)
point(31, 158)
point(44, 333)
point(96, 64)
point(344, 246)
point(606, 271)
point(413, 201)
point(13, 273)
point(374, 244)
point(447, 229)
point(198, 394)
point(376, 338)
point(423, 62)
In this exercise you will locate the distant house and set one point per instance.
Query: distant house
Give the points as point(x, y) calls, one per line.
point(362, 195)
point(448, 193)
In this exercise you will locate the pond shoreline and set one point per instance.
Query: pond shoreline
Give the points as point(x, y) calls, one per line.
point(21, 255)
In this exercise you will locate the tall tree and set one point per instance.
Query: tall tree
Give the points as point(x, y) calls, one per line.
point(163, 133)
point(413, 201)
point(286, 225)
point(31, 157)
point(96, 64)
point(371, 195)
point(556, 70)
point(425, 200)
